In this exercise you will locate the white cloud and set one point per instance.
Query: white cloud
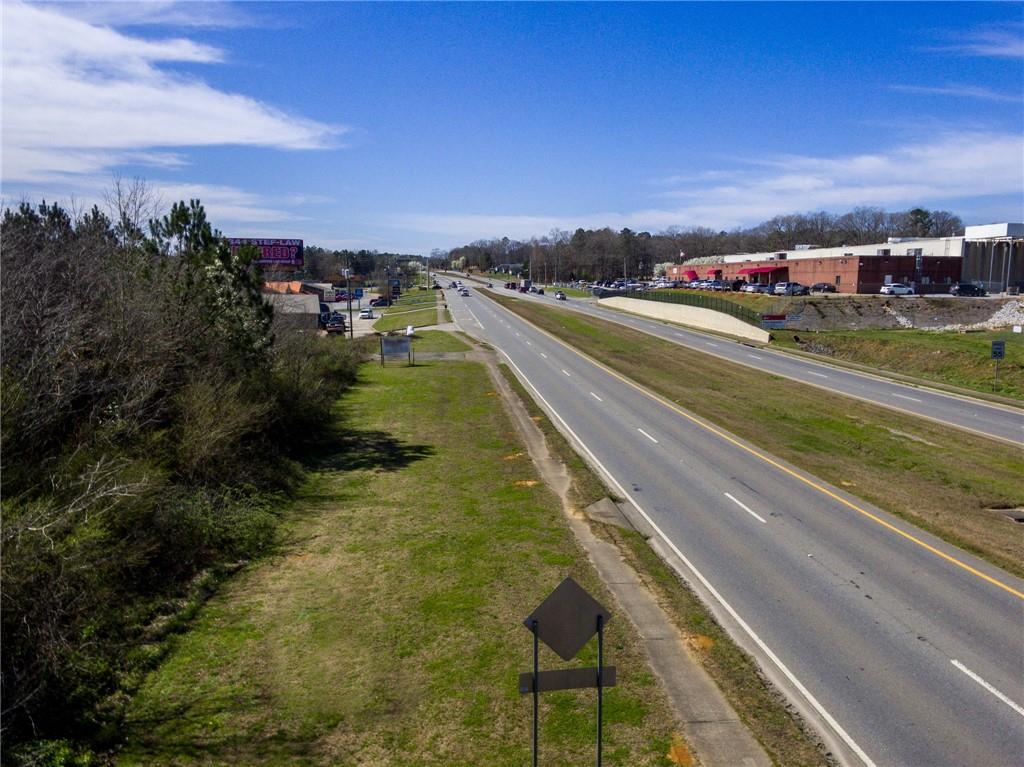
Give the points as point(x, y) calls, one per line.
point(960, 91)
point(957, 166)
point(122, 13)
point(80, 98)
point(1004, 41)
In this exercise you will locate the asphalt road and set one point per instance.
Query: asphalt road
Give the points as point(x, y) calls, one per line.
point(988, 419)
point(901, 649)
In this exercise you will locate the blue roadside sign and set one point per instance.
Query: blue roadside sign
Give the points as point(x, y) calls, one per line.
point(358, 292)
point(998, 350)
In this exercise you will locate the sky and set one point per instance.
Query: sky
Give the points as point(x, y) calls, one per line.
point(406, 127)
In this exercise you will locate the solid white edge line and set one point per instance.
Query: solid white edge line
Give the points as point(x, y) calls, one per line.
point(652, 439)
point(822, 712)
point(596, 397)
point(746, 508)
point(1019, 709)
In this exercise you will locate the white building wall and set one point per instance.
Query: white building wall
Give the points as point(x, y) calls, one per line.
point(936, 246)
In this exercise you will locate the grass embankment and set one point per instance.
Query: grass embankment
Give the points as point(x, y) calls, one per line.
point(418, 318)
point(413, 300)
point(949, 482)
point(388, 629)
point(956, 359)
point(758, 704)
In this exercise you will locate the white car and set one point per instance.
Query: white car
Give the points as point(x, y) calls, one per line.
point(366, 314)
point(896, 289)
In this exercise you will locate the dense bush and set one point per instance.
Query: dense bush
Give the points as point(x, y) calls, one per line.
point(150, 425)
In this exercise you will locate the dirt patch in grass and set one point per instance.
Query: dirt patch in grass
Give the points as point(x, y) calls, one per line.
point(941, 479)
point(388, 631)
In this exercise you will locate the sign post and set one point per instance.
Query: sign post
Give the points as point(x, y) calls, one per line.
point(566, 621)
point(998, 353)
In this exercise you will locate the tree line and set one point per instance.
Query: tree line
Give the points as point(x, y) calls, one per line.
point(152, 417)
point(590, 254)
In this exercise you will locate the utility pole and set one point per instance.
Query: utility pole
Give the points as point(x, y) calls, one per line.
point(348, 289)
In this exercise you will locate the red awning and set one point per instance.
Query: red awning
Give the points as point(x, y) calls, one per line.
point(714, 269)
point(690, 274)
point(759, 269)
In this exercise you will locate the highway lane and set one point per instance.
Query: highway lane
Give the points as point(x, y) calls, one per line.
point(903, 656)
point(989, 419)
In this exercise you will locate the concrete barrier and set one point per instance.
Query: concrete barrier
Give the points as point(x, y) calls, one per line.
point(688, 315)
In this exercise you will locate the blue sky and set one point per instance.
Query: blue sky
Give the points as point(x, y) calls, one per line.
point(413, 126)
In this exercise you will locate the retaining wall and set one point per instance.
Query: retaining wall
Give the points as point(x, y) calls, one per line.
point(688, 315)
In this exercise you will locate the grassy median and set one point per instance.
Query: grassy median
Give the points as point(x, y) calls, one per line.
point(954, 484)
point(955, 359)
point(418, 318)
point(387, 630)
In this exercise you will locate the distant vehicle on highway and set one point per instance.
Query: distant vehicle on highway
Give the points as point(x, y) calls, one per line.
point(967, 289)
point(896, 289)
point(823, 287)
point(790, 289)
point(464, 291)
point(559, 295)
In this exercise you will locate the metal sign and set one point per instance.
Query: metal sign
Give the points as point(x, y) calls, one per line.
point(395, 346)
point(773, 321)
point(358, 292)
point(999, 350)
point(567, 619)
point(565, 622)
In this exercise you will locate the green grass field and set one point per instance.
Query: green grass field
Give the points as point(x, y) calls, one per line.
point(957, 359)
point(387, 629)
point(438, 341)
point(944, 480)
point(418, 318)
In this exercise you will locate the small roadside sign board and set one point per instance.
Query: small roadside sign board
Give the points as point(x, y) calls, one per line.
point(998, 350)
point(358, 292)
point(395, 346)
point(567, 619)
point(773, 321)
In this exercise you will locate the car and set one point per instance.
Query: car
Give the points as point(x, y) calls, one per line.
point(823, 287)
point(790, 289)
point(490, 285)
point(366, 314)
point(464, 292)
point(540, 291)
point(967, 289)
point(559, 295)
point(381, 301)
point(757, 287)
point(896, 289)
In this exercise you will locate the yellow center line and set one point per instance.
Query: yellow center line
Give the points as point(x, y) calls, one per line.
point(770, 461)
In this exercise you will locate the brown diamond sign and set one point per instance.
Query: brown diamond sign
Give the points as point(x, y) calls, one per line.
point(567, 619)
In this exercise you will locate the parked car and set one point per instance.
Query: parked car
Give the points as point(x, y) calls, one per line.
point(823, 287)
point(366, 314)
point(967, 289)
point(790, 289)
point(757, 287)
point(559, 295)
point(540, 291)
point(896, 289)
point(381, 301)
